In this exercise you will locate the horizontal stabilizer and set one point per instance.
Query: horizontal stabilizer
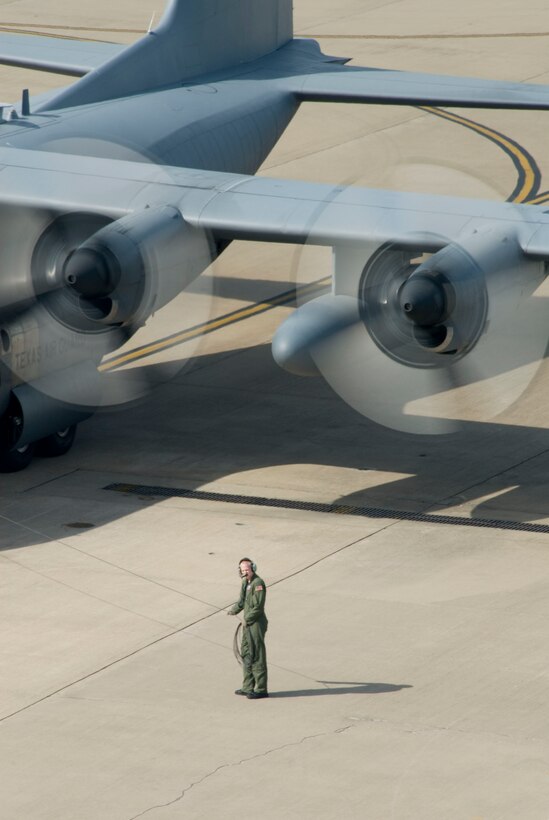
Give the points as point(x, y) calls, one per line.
point(73, 58)
point(371, 85)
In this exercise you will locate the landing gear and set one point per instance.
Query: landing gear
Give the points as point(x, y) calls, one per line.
point(13, 458)
point(13, 461)
point(57, 444)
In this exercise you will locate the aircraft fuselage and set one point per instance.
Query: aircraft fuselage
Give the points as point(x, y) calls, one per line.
point(224, 123)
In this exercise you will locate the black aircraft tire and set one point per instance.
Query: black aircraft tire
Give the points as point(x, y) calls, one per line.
point(16, 460)
point(57, 444)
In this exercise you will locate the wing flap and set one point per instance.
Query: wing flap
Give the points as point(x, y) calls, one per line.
point(371, 85)
point(537, 245)
point(70, 57)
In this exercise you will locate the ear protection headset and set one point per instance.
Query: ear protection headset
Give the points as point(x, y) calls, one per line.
point(249, 560)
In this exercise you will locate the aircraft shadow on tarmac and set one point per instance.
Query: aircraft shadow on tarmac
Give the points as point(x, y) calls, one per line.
point(235, 412)
point(230, 287)
point(240, 412)
point(343, 688)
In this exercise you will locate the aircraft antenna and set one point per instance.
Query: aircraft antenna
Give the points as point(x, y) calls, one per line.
point(151, 24)
point(25, 103)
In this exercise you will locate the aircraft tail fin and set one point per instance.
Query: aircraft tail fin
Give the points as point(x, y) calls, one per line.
point(193, 37)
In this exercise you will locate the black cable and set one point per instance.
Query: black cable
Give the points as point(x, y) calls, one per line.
point(237, 643)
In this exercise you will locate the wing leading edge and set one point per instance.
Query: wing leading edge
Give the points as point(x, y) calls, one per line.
point(254, 208)
point(234, 206)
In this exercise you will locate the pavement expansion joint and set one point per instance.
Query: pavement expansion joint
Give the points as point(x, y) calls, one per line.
point(322, 507)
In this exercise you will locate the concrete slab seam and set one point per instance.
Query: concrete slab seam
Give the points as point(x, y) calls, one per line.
point(168, 635)
point(62, 543)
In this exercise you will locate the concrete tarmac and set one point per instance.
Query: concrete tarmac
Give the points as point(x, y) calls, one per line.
point(407, 649)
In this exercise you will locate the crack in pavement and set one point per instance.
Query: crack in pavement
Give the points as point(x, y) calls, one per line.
point(201, 780)
point(429, 733)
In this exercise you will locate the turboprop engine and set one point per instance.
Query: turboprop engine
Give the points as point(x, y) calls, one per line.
point(429, 339)
point(124, 271)
point(82, 284)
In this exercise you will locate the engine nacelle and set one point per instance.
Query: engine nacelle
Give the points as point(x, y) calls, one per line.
point(136, 265)
point(435, 312)
point(425, 339)
point(422, 310)
point(310, 326)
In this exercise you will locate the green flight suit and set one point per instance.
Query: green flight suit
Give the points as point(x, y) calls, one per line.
point(254, 656)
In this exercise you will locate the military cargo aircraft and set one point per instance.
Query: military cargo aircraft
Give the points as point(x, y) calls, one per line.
point(119, 190)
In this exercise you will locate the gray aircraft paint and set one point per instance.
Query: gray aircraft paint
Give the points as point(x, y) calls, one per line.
point(183, 118)
point(193, 38)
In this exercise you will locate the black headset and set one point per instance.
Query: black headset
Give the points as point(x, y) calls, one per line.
point(249, 560)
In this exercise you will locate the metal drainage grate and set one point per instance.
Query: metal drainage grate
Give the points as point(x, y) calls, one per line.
point(338, 509)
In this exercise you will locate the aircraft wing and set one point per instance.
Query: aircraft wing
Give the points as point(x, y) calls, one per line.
point(151, 245)
point(73, 58)
point(273, 210)
point(234, 206)
point(371, 85)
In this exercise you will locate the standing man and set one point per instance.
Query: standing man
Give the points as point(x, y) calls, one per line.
point(254, 656)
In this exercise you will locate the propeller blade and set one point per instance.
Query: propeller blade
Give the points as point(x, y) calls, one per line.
point(444, 338)
point(67, 307)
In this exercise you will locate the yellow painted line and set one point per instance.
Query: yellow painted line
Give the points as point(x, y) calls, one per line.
point(509, 146)
point(71, 37)
point(495, 35)
point(214, 324)
point(320, 36)
point(539, 200)
point(7, 24)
